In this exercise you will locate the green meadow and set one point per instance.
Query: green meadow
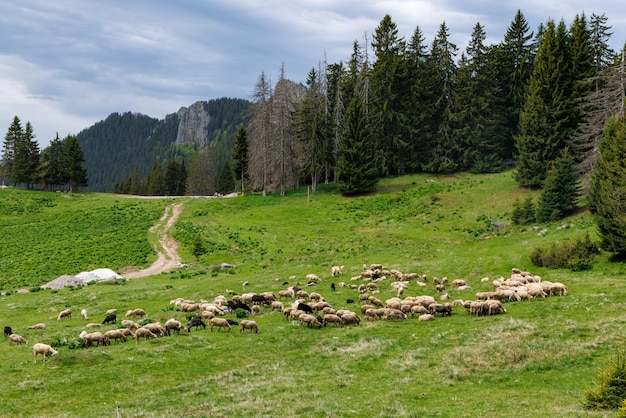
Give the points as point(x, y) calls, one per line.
point(535, 360)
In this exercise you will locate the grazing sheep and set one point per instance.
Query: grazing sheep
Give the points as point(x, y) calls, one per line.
point(127, 332)
point(96, 337)
point(7, 331)
point(145, 333)
point(130, 324)
point(371, 314)
point(14, 338)
point(336, 271)
point(219, 323)
point(175, 325)
point(188, 307)
point(256, 309)
point(310, 320)
point(248, 324)
point(156, 328)
point(425, 300)
point(418, 309)
point(458, 283)
point(394, 313)
point(92, 325)
point(350, 318)
point(558, 289)
point(288, 293)
point(37, 326)
point(207, 315)
point(83, 314)
point(277, 305)
point(197, 322)
point(136, 312)
point(110, 319)
point(115, 334)
point(440, 288)
point(45, 350)
point(312, 278)
point(304, 307)
point(425, 317)
point(111, 311)
point(331, 318)
point(437, 308)
point(67, 313)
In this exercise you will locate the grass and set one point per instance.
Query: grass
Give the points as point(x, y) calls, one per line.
point(535, 360)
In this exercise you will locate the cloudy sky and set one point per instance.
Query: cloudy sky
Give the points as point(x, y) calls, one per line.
point(67, 64)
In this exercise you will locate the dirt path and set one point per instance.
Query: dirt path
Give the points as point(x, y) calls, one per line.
point(167, 256)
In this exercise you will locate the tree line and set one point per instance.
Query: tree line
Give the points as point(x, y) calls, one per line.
point(59, 166)
point(398, 106)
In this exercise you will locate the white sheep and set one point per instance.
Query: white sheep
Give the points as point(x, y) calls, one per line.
point(425, 317)
point(336, 271)
point(331, 318)
point(38, 326)
point(219, 323)
point(173, 324)
point(83, 314)
point(310, 320)
point(111, 312)
point(45, 350)
point(93, 325)
point(136, 312)
point(96, 337)
point(14, 338)
point(156, 328)
point(130, 324)
point(350, 318)
point(276, 305)
point(115, 334)
point(67, 313)
point(143, 332)
point(248, 324)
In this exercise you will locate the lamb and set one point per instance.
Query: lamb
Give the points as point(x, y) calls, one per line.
point(96, 337)
point(256, 309)
point(67, 313)
point(38, 326)
point(83, 314)
point(110, 318)
point(277, 305)
point(115, 334)
point(425, 317)
point(219, 323)
point(248, 324)
point(14, 338)
point(92, 325)
point(145, 333)
point(173, 324)
point(196, 322)
point(136, 312)
point(45, 350)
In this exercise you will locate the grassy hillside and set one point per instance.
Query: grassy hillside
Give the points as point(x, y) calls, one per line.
point(535, 360)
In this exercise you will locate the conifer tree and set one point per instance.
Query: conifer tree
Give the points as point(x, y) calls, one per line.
point(51, 169)
point(240, 156)
point(608, 190)
point(11, 141)
point(73, 163)
point(156, 181)
point(225, 181)
point(561, 190)
point(357, 167)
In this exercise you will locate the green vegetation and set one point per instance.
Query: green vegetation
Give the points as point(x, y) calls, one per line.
point(538, 359)
point(46, 235)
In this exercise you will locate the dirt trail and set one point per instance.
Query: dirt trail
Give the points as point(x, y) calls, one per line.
point(167, 256)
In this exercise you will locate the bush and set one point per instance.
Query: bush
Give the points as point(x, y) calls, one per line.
point(240, 313)
point(611, 388)
point(523, 213)
point(576, 257)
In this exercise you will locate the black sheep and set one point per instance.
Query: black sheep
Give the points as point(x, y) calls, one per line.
point(332, 286)
point(239, 305)
point(7, 331)
point(197, 322)
point(305, 308)
point(112, 318)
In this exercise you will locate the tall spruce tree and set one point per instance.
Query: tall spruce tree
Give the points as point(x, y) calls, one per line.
point(445, 155)
point(357, 167)
point(11, 141)
point(260, 131)
point(156, 181)
point(388, 82)
point(240, 156)
point(176, 177)
point(607, 195)
point(546, 118)
point(515, 58)
point(73, 163)
point(51, 169)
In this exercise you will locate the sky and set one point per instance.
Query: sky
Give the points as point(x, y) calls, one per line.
point(67, 64)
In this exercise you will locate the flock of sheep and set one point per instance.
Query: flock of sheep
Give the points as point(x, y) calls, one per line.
point(310, 309)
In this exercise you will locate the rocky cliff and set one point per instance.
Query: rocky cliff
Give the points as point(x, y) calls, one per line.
point(193, 123)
